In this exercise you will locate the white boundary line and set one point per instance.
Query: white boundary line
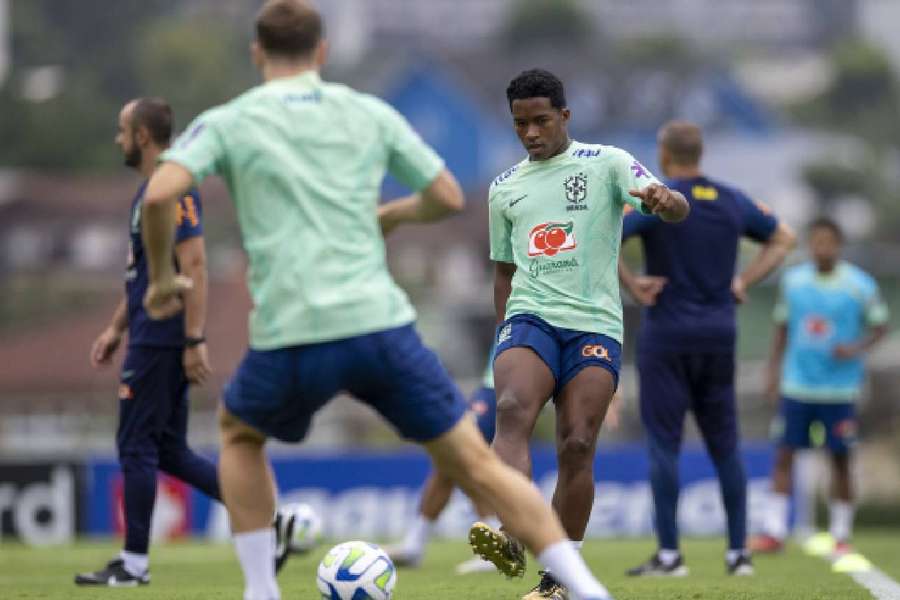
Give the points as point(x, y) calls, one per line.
point(880, 585)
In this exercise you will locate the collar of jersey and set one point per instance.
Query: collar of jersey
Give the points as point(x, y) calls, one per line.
point(309, 78)
point(556, 159)
point(831, 278)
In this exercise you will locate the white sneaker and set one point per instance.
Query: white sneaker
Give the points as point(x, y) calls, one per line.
point(475, 565)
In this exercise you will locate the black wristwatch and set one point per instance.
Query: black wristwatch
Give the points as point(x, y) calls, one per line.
point(191, 342)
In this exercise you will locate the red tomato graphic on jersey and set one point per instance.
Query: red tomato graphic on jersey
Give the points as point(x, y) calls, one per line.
point(549, 239)
point(818, 327)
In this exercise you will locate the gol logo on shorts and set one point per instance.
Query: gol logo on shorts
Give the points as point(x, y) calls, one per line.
point(595, 351)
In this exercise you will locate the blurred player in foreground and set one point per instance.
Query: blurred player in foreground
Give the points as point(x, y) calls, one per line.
point(163, 356)
point(304, 161)
point(686, 346)
point(438, 489)
point(829, 315)
point(555, 231)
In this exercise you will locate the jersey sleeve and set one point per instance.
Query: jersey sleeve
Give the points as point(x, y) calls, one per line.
point(189, 221)
point(500, 230)
point(635, 223)
point(757, 221)
point(413, 162)
point(200, 148)
point(876, 309)
point(630, 174)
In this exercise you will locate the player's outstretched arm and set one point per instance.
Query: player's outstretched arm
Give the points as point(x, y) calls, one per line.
point(169, 183)
point(767, 259)
point(669, 205)
point(442, 198)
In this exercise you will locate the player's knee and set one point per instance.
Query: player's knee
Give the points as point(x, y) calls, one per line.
point(235, 431)
point(511, 409)
point(577, 449)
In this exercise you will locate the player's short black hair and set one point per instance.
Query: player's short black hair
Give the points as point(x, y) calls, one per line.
point(537, 83)
point(156, 115)
point(826, 223)
point(289, 28)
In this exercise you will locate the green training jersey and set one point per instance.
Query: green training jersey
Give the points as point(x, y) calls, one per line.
point(559, 221)
point(304, 161)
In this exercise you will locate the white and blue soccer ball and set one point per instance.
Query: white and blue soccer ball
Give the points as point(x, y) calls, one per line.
point(356, 571)
point(307, 530)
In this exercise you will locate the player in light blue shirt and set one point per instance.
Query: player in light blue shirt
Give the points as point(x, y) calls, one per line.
point(828, 316)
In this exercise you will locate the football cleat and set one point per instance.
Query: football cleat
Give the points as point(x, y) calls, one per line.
point(742, 566)
point(655, 567)
point(114, 575)
point(495, 546)
point(284, 529)
point(547, 589)
point(765, 544)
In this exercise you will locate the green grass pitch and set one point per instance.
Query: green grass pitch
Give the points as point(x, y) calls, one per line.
point(198, 571)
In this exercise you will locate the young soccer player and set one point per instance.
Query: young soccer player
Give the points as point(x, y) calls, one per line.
point(686, 344)
point(304, 161)
point(439, 488)
point(163, 357)
point(829, 315)
point(555, 231)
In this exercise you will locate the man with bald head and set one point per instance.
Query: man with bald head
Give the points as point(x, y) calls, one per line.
point(686, 344)
point(304, 161)
point(162, 359)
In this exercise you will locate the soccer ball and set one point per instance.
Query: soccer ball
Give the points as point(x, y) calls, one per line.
point(356, 571)
point(307, 530)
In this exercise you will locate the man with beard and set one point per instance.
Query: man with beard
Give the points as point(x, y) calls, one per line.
point(162, 359)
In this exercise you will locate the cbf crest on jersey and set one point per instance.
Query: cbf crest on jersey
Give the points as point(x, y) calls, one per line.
point(576, 191)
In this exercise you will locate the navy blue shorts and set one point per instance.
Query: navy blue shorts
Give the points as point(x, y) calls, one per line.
point(483, 404)
point(799, 420)
point(153, 406)
point(673, 383)
point(278, 391)
point(565, 351)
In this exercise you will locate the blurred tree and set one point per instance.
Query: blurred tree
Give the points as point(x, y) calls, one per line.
point(193, 72)
point(105, 53)
point(542, 22)
point(863, 99)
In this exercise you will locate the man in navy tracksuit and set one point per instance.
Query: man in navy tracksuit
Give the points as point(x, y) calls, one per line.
point(163, 357)
point(686, 345)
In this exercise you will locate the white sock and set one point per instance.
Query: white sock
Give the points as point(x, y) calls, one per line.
point(576, 545)
point(841, 520)
point(417, 536)
point(569, 569)
point(776, 519)
point(256, 552)
point(136, 564)
point(668, 556)
point(733, 555)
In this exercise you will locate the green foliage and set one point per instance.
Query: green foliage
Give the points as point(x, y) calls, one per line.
point(863, 99)
point(109, 53)
point(540, 22)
